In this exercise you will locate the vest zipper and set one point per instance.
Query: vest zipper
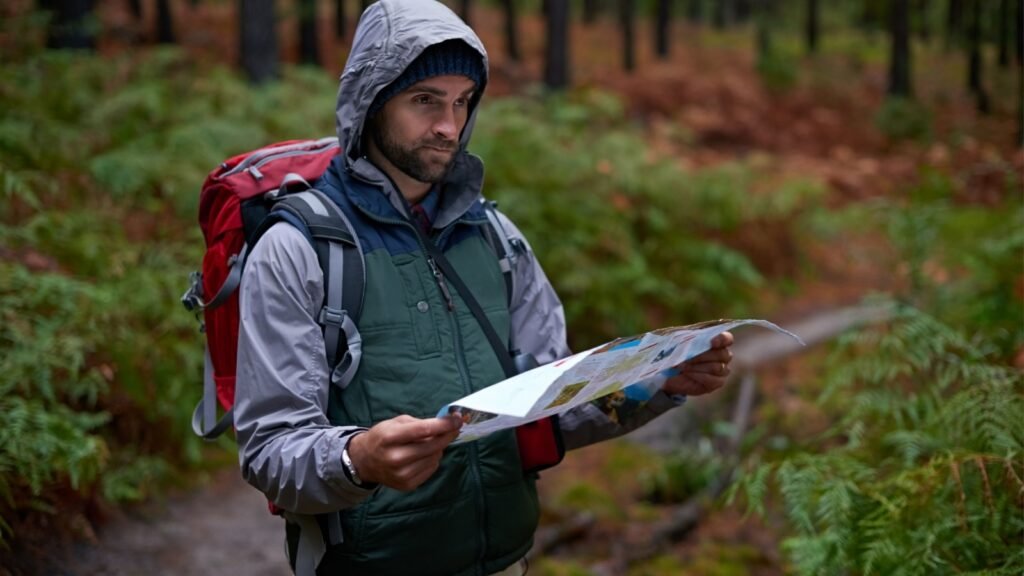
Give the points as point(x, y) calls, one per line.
point(439, 278)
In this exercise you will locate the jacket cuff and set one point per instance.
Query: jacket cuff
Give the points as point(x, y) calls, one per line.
point(335, 470)
point(662, 402)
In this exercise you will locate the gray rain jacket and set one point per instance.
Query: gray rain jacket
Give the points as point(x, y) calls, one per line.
point(287, 448)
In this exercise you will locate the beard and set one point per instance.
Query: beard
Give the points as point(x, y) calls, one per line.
point(424, 160)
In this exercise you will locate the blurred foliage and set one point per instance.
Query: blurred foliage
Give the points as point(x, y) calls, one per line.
point(920, 472)
point(683, 474)
point(903, 119)
point(627, 237)
point(962, 260)
point(100, 165)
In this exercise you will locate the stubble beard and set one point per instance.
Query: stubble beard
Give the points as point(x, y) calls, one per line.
point(413, 160)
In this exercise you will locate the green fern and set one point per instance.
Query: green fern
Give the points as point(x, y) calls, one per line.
point(924, 471)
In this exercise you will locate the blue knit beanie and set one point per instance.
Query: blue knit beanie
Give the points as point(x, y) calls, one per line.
point(449, 57)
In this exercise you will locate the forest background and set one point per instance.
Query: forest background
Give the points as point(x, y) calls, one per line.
point(722, 158)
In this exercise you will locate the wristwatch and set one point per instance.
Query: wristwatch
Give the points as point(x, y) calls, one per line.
point(350, 468)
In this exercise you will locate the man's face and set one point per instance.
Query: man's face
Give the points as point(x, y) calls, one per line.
point(418, 130)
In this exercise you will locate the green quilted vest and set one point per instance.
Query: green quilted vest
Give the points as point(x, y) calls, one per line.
point(478, 513)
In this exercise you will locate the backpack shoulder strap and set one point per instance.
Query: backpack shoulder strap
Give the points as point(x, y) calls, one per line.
point(341, 259)
point(506, 248)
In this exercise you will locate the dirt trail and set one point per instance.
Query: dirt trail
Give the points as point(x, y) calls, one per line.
point(222, 529)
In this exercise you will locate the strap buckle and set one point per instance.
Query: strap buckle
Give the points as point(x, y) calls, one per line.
point(192, 299)
point(332, 317)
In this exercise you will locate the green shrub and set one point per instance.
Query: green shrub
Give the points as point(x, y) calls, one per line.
point(904, 119)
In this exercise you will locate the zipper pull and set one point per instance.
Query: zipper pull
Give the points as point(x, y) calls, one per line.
point(441, 283)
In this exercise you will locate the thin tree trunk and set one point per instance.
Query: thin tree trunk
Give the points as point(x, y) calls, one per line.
point(136, 8)
point(309, 50)
point(954, 22)
point(70, 25)
point(899, 65)
point(556, 70)
point(742, 10)
point(366, 4)
point(662, 25)
point(812, 26)
point(258, 40)
point(1004, 24)
point(511, 30)
point(723, 14)
point(975, 62)
point(924, 20)
point(763, 30)
point(590, 9)
point(464, 11)
point(1019, 19)
point(694, 11)
point(1020, 73)
point(340, 20)
point(628, 24)
point(164, 22)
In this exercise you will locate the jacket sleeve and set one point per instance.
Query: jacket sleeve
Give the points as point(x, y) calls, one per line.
point(287, 448)
point(538, 328)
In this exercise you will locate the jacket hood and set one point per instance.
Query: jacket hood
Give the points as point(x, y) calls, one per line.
point(390, 35)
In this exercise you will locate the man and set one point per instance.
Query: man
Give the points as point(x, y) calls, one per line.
point(366, 475)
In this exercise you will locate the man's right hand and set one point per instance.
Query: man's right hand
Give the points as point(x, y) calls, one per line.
point(402, 452)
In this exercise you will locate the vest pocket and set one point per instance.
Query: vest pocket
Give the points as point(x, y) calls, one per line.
point(423, 316)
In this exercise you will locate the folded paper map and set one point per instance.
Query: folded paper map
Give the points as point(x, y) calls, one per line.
point(617, 377)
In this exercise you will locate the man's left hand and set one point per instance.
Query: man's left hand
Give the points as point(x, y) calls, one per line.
point(704, 373)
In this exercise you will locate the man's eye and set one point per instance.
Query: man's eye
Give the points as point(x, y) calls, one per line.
point(462, 102)
point(422, 99)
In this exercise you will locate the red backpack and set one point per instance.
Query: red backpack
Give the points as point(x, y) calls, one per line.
point(239, 201)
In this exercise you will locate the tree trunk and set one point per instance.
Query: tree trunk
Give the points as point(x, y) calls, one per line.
point(164, 22)
point(742, 10)
point(899, 64)
point(340, 21)
point(366, 4)
point(812, 26)
point(694, 11)
point(1020, 31)
point(954, 22)
point(309, 50)
point(70, 25)
point(464, 11)
point(1020, 73)
point(1005, 21)
point(511, 30)
point(723, 15)
point(590, 9)
point(556, 69)
point(975, 62)
point(628, 24)
point(763, 35)
point(923, 19)
point(258, 40)
point(136, 8)
point(662, 25)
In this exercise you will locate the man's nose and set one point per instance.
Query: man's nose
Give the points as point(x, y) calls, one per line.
point(446, 125)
